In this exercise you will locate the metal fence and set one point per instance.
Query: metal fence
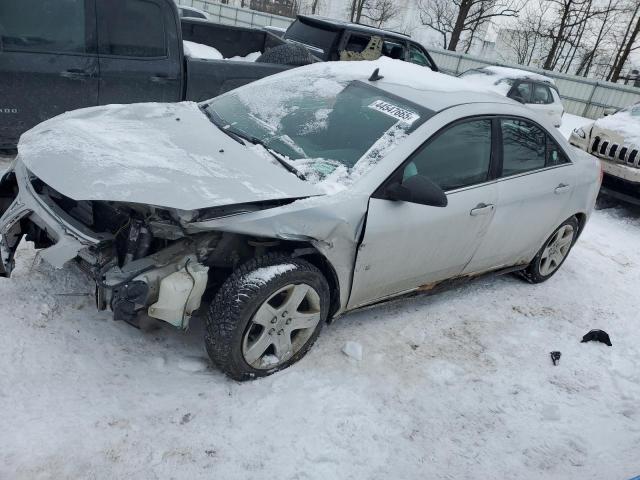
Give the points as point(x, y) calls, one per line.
point(237, 16)
point(581, 96)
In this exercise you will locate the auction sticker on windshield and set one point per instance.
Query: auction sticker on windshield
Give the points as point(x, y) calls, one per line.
point(399, 113)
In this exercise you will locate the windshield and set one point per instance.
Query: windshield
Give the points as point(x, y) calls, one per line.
point(321, 126)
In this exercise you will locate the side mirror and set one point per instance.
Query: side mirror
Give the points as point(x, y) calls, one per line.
point(609, 111)
point(417, 189)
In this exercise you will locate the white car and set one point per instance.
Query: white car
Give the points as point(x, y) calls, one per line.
point(536, 91)
point(296, 198)
point(615, 140)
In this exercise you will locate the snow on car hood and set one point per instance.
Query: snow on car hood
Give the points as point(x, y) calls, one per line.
point(168, 155)
point(625, 124)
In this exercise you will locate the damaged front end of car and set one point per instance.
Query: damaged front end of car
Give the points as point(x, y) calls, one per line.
point(143, 259)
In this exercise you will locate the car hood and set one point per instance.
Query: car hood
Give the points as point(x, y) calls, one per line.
point(167, 155)
point(622, 128)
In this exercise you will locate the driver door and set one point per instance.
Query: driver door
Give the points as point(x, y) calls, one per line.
point(407, 246)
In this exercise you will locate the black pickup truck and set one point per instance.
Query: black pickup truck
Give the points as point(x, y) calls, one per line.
point(60, 55)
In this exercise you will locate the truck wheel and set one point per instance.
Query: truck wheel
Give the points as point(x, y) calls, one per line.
point(553, 253)
point(266, 316)
point(287, 54)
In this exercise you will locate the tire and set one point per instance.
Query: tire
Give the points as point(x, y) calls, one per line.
point(541, 268)
point(287, 54)
point(242, 318)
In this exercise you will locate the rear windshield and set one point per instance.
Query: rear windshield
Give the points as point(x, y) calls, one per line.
point(318, 39)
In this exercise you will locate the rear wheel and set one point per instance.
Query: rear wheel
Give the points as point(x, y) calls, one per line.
point(553, 253)
point(266, 316)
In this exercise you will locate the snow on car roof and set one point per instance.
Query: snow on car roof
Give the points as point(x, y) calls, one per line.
point(507, 72)
point(432, 90)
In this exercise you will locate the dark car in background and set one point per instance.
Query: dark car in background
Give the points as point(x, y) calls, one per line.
point(326, 38)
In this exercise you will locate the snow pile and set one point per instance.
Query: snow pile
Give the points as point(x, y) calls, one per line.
point(198, 50)
point(250, 57)
point(263, 275)
point(205, 52)
point(353, 350)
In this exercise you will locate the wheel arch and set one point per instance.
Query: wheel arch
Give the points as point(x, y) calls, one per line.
point(318, 260)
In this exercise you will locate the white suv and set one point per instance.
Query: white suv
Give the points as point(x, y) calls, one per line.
point(536, 91)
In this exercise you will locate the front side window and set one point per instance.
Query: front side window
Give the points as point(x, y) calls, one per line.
point(524, 146)
point(542, 95)
point(43, 25)
point(324, 126)
point(458, 157)
point(134, 28)
point(418, 57)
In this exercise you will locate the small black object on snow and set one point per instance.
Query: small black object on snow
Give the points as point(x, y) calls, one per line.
point(597, 336)
point(555, 357)
point(375, 76)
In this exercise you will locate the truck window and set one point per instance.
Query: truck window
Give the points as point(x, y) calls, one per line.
point(392, 49)
point(43, 25)
point(418, 57)
point(133, 28)
point(317, 39)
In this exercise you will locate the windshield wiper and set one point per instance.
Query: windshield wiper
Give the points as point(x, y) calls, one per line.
point(212, 117)
point(280, 159)
point(240, 136)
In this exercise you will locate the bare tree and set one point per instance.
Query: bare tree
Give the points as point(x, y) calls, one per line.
point(524, 40)
point(453, 18)
point(628, 45)
point(380, 12)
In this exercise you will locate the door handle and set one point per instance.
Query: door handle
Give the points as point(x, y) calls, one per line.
point(162, 78)
point(482, 209)
point(562, 188)
point(75, 74)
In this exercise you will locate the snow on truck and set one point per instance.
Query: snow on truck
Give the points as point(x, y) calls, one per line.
point(100, 52)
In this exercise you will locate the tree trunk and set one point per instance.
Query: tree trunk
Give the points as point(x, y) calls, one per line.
point(558, 39)
point(463, 12)
point(617, 70)
point(359, 10)
point(314, 6)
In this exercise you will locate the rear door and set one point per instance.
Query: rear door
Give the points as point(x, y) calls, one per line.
point(48, 62)
point(407, 246)
point(534, 191)
point(140, 50)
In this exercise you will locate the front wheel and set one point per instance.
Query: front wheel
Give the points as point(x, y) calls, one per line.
point(553, 253)
point(266, 316)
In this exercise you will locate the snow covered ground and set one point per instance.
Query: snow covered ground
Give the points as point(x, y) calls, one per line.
point(458, 385)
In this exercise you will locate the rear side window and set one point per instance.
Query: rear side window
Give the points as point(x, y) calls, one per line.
point(458, 157)
point(318, 38)
point(521, 92)
point(43, 25)
point(524, 146)
point(134, 28)
point(541, 95)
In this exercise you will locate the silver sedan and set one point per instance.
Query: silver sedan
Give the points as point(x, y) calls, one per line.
point(295, 199)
